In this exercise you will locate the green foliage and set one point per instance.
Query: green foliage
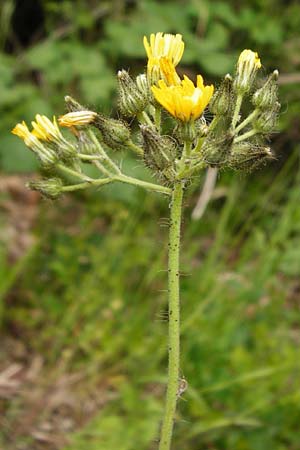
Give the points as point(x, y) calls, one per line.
point(92, 291)
point(103, 312)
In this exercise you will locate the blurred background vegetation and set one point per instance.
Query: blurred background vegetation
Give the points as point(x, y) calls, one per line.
point(83, 330)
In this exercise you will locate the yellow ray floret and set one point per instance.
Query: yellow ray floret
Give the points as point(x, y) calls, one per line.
point(45, 130)
point(168, 72)
point(167, 47)
point(77, 118)
point(184, 101)
point(21, 130)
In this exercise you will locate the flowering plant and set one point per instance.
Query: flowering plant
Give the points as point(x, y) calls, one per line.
point(174, 149)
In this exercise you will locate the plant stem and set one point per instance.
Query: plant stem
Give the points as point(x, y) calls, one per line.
point(141, 183)
point(103, 153)
point(144, 118)
point(86, 184)
point(157, 118)
point(123, 179)
point(247, 120)
point(90, 157)
point(237, 109)
point(73, 173)
point(138, 150)
point(174, 317)
point(244, 136)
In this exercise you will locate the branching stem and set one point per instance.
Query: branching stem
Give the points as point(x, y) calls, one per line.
point(247, 121)
point(244, 136)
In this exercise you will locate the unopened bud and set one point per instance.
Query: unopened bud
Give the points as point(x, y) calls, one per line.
point(50, 188)
point(77, 118)
point(201, 127)
point(48, 158)
point(266, 121)
point(186, 131)
point(159, 152)
point(247, 66)
point(216, 148)
point(248, 156)
point(115, 133)
point(221, 102)
point(72, 104)
point(265, 97)
point(143, 85)
point(131, 99)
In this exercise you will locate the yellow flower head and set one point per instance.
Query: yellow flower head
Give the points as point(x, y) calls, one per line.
point(45, 130)
point(167, 46)
point(185, 101)
point(250, 58)
point(77, 118)
point(21, 130)
point(247, 66)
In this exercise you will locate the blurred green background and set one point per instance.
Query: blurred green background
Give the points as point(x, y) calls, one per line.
point(83, 307)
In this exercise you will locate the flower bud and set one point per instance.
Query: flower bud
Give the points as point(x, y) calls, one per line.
point(248, 156)
point(143, 85)
point(216, 148)
point(77, 118)
point(221, 102)
point(50, 188)
point(72, 105)
point(201, 127)
point(265, 97)
point(44, 152)
point(247, 66)
point(159, 152)
point(266, 121)
point(115, 133)
point(49, 132)
point(186, 131)
point(131, 99)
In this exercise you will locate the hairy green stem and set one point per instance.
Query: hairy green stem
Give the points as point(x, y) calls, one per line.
point(103, 153)
point(86, 184)
point(174, 317)
point(244, 136)
point(246, 121)
point(144, 184)
point(90, 157)
point(123, 179)
point(237, 109)
point(157, 118)
point(138, 150)
point(144, 118)
point(73, 173)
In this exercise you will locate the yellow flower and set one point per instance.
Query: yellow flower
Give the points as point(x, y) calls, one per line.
point(184, 101)
point(45, 130)
point(250, 58)
point(77, 118)
point(46, 155)
point(167, 46)
point(21, 130)
point(247, 66)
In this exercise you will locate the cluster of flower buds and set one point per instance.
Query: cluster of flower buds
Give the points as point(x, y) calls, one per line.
point(237, 142)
